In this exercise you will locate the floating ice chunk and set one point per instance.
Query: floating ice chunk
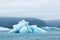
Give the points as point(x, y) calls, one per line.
point(46, 28)
point(50, 28)
point(4, 29)
point(53, 28)
point(24, 27)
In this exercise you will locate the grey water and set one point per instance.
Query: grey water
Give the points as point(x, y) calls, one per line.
point(4, 35)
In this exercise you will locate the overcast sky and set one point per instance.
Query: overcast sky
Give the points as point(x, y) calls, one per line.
point(42, 9)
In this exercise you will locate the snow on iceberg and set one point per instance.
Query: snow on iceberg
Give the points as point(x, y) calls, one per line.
point(24, 27)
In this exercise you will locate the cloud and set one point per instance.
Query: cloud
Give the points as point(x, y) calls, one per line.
point(44, 9)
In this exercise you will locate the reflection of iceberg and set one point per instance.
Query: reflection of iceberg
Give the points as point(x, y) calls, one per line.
point(23, 27)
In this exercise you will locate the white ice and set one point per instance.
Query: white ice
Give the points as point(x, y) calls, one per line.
point(24, 27)
point(50, 28)
point(4, 29)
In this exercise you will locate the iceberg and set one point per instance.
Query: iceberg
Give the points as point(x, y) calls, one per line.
point(24, 27)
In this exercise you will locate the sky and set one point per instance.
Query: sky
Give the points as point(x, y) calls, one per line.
point(41, 9)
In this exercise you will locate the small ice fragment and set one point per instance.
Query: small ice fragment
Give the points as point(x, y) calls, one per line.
point(4, 29)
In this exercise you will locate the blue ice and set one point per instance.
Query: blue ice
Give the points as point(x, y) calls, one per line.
point(24, 27)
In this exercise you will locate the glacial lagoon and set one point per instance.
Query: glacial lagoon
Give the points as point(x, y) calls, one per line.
point(29, 36)
point(52, 33)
